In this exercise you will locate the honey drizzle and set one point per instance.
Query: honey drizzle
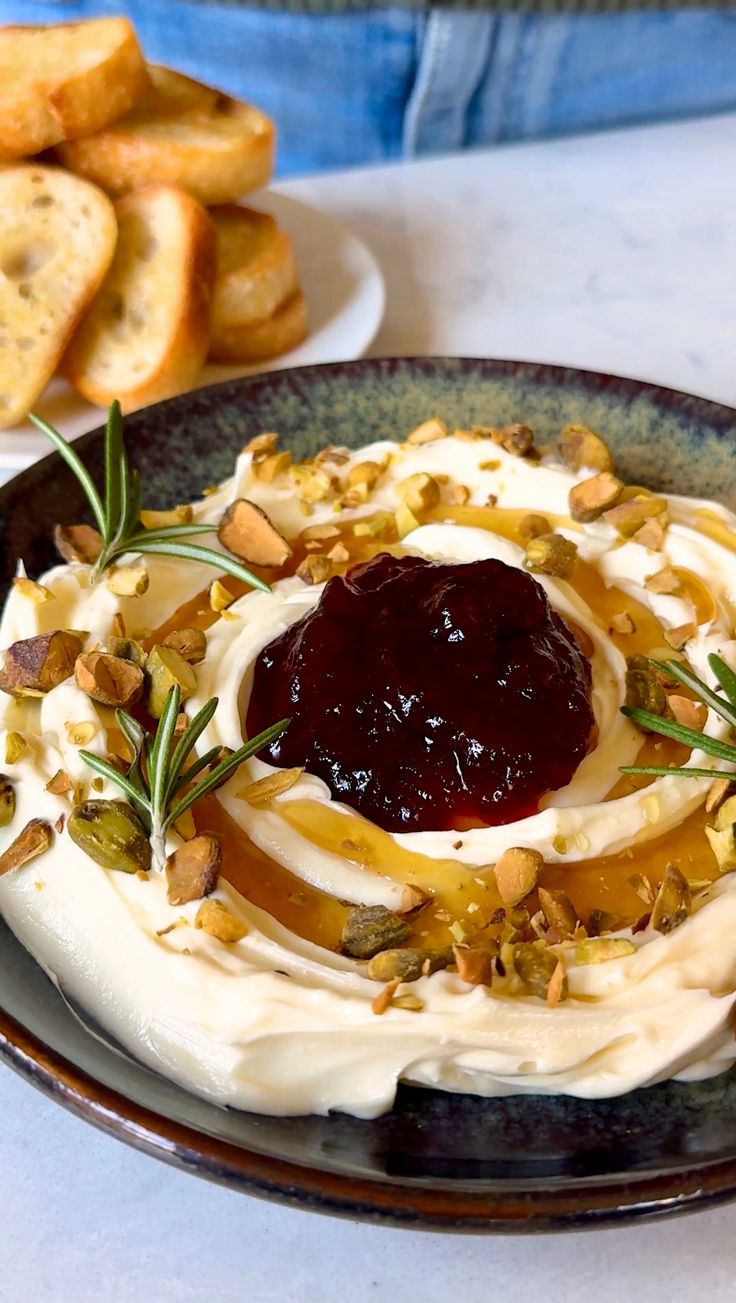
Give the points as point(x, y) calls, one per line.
point(591, 884)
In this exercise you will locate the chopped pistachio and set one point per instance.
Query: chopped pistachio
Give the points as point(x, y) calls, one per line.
point(517, 439)
point(551, 554)
point(558, 910)
point(371, 928)
point(15, 745)
point(128, 581)
point(628, 517)
point(557, 987)
point(381, 1002)
point(246, 531)
point(319, 533)
point(640, 883)
point(679, 636)
point(366, 473)
point(220, 596)
point(582, 449)
point(644, 688)
point(559, 845)
point(475, 963)
point(428, 432)
point(722, 835)
point(193, 870)
point(263, 790)
point(532, 526)
point(673, 903)
point(185, 825)
point(218, 921)
point(111, 680)
point(419, 492)
point(600, 921)
point(338, 554)
point(35, 593)
point(7, 801)
point(272, 466)
point(589, 499)
point(315, 569)
point(535, 964)
point(38, 664)
point(60, 784)
point(35, 838)
point(191, 644)
point(651, 534)
point(262, 445)
point(492, 465)
point(81, 733)
point(405, 519)
point(598, 950)
point(692, 714)
point(408, 964)
point(716, 795)
point(622, 622)
point(664, 581)
point(78, 543)
point(111, 833)
point(165, 669)
point(517, 873)
point(181, 515)
point(408, 1001)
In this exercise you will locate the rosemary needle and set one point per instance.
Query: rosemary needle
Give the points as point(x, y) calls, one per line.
point(117, 513)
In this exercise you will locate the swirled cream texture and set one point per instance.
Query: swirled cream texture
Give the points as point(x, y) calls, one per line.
point(278, 1023)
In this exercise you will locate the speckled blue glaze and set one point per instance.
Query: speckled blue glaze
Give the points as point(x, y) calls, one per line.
point(436, 1160)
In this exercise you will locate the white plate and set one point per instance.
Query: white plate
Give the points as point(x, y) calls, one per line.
point(345, 293)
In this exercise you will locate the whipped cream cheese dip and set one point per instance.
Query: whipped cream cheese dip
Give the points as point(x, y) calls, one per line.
point(280, 1021)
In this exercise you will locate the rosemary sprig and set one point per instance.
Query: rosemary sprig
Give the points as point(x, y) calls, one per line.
point(117, 513)
point(157, 783)
point(725, 706)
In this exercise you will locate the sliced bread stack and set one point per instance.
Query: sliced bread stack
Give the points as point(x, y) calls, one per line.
point(128, 298)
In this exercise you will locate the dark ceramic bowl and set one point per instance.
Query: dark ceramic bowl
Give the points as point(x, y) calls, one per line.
point(440, 1161)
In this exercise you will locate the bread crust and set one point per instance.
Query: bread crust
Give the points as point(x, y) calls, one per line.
point(67, 101)
point(262, 340)
point(57, 243)
point(176, 358)
point(182, 134)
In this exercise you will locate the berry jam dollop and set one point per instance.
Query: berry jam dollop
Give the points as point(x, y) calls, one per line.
point(429, 696)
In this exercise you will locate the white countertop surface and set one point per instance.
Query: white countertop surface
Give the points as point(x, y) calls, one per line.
point(614, 252)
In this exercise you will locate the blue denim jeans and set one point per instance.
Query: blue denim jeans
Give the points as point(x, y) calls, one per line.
point(378, 84)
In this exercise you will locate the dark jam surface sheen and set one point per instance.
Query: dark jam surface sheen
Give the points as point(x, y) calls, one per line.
point(429, 696)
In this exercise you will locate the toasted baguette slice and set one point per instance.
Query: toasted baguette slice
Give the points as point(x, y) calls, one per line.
point(180, 134)
point(57, 239)
point(57, 83)
point(262, 339)
point(256, 271)
point(146, 334)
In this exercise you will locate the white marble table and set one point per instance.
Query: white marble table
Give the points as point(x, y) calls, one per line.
point(616, 252)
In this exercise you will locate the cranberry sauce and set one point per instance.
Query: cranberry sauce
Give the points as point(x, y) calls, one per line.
point(429, 696)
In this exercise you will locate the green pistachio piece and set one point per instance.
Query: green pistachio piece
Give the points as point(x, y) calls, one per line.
point(673, 903)
point(407, 964)
point(165, 669)
point(535, 964)
point(191, 644)
point(371, 928)
point(111, 833)
point(598, 950)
